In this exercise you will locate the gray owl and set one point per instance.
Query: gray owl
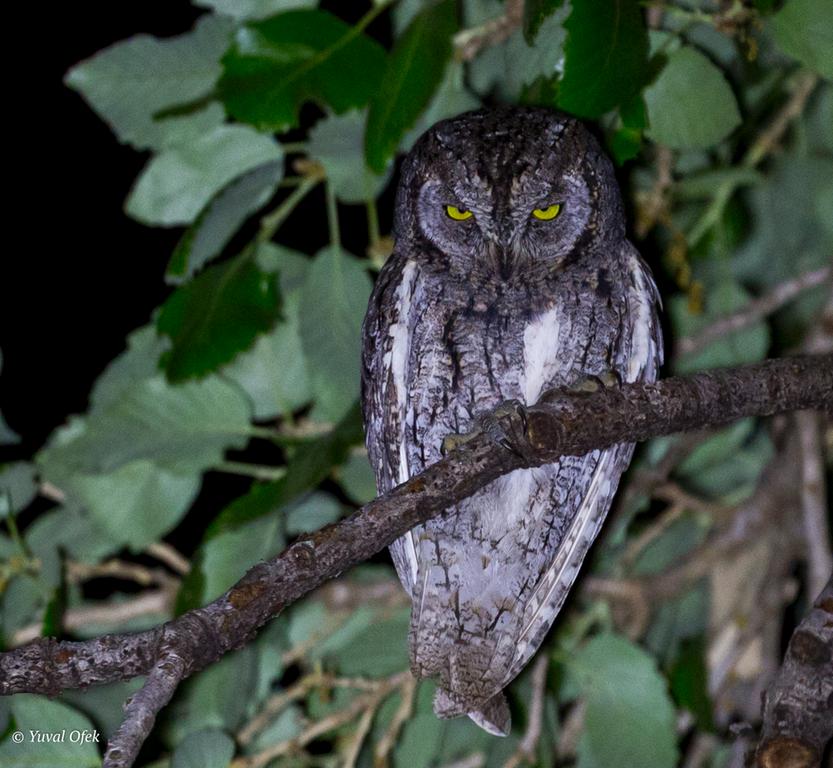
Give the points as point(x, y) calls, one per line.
point(511, 274)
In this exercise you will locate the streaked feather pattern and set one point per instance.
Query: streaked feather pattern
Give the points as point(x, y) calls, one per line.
point(442, 345)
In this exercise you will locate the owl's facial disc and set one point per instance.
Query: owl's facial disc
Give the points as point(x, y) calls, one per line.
point(510, 194)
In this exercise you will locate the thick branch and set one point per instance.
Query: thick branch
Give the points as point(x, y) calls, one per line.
point(798, 707)
point(562, 423)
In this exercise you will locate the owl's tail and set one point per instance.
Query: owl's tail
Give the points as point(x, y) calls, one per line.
point(493, 716)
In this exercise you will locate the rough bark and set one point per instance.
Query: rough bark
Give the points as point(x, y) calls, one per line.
point(798, 707)
point(562, 423)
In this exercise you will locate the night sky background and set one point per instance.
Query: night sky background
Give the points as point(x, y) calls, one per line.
point(78, 274)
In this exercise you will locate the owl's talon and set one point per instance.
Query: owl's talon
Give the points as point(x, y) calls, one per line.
point(506, 426)
point(455, 440)
point(591, 383)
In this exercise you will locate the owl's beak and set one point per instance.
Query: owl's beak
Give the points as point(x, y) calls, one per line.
point(501, 259)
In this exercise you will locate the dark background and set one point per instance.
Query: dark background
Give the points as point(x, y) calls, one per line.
point(79, 275)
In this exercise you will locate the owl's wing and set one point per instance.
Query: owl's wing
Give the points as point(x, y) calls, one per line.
point(639, 359)
point(386, 343)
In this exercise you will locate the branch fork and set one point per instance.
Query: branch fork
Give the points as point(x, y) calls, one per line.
point(562, 423)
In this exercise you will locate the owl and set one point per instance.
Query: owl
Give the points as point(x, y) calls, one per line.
point(511, 274)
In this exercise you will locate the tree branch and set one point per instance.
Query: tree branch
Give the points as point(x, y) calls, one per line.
point(755, 310)
point(798, 707)
point(562, 423)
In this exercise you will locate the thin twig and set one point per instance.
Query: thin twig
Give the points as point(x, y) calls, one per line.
point(755, 310)
point(276, 704)
point(525, 753)
point(118, 569)
point(814, 502)
point(766, 143)
point(386, 743)
point(474, 760)
point(149, 604)
point(571, 730)
point(362, 729)
point(335, 720)
point(165, 553)
point(469, 42)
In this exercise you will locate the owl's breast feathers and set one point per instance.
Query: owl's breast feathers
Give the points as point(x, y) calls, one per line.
point(488, 578)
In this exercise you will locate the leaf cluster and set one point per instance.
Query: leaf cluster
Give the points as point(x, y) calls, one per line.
point(255, 351)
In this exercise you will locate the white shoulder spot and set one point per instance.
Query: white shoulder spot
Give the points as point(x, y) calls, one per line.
point(645, 354)
point(540, 354)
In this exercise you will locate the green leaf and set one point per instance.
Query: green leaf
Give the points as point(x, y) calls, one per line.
point(73, 530)
point(702, 186)
point(131, 81)
point(735, 479)
point(380, 649)
point(184, 429)
point(332, 339)
point(138, 503)
point(413, 72)
point(688, 682)
point(626, 699)
point(311, 513)
point(216, 316)
point(203, 749)
point(204, 701)
point(7, 435)
point(177, 184)
point(52, 622)
point(139, 361)
point(277, 64)
point(103, 704)
point(22, 602)
point(606, 56)
point(804, 30)
point(226, 557)
point(422, 738)
point(535, 12)
point(676, 620)
point(221, 218)
point(514, 70)
point(357, 478)
point(678, 539)
point(37, 713)
point(627, 141)
point(785, 220)
point(690, 104)
point(311, 463)
point(338, 144)
point(451, 99)
point(17, 487)
point(253, 9)
point(273, 373)
point(725, 297)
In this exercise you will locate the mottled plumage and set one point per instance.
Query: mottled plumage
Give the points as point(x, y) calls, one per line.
point(466, 314)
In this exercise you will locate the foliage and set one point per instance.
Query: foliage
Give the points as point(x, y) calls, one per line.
point(256, 350)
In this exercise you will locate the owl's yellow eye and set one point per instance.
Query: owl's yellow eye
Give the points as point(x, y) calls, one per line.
point(547, 214)
point(455, 213)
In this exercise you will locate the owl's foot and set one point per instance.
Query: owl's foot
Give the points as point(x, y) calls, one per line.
point(455, 440)
point(505, 426)
point(590, 384)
